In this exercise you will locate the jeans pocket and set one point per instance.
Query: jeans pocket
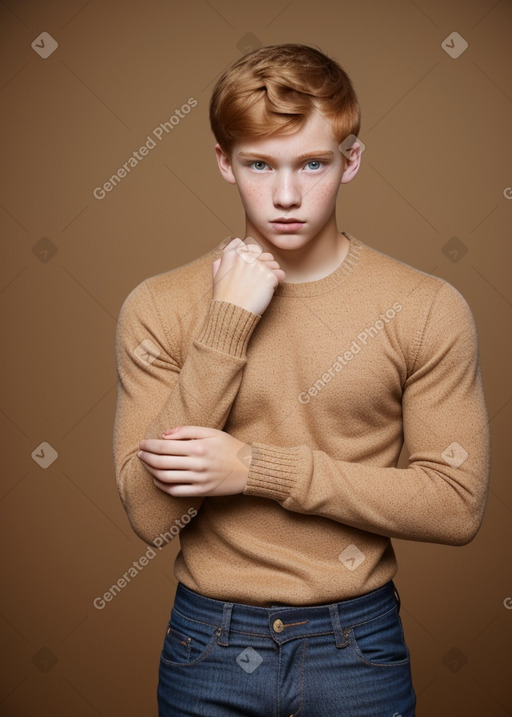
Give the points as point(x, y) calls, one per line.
point(380, 641)
point(187, 641)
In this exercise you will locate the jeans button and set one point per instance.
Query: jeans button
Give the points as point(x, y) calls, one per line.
point(278, 625)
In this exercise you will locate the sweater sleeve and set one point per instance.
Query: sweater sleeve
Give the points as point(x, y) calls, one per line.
point(155, 392)
point(441, 496)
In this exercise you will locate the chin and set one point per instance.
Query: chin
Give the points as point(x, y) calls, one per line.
point(290, 241)
point(284, 241)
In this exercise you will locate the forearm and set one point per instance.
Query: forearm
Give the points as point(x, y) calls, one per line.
point(210, 377)
point(437, 504)
point(158, 395)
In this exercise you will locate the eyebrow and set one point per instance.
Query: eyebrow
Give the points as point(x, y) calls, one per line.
point(308, 155)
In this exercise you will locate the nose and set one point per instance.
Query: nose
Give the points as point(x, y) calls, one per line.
point(286, 190)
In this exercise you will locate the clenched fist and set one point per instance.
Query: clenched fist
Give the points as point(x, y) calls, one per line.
point(245, 275)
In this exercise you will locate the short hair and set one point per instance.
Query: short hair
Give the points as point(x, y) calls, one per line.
point(275, 89)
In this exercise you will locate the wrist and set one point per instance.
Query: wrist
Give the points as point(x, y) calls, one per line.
point(244, 456)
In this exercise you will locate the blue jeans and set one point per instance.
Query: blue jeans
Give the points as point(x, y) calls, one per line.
point(348, 659)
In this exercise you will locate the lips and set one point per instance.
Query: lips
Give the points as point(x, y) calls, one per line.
point(288, 224)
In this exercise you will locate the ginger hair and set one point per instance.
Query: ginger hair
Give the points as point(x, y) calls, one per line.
point(275, 89)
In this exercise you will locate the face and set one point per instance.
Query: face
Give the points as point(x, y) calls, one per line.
point(288, 184)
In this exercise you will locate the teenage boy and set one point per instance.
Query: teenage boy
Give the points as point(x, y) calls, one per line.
point(265, 391)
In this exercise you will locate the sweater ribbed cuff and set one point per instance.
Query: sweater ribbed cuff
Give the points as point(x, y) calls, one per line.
point(274, 471)
point(228, 328)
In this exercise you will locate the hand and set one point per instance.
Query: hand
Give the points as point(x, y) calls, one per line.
point(246, 276)
point(197, 461)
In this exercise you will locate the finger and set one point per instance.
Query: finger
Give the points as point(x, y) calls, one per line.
point(250, 247)
point(178, 490)
point(188, 432)
point(167, 477)
point(272, 264)
point(164, 447)
point(252, 242)
point(167, 462)
point(233, 244)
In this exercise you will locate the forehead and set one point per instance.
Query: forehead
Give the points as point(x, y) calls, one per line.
point(315, 135)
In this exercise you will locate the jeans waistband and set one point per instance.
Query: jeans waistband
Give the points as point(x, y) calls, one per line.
point(284, 622)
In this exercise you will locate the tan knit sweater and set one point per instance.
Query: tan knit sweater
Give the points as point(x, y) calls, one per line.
point(326, 385)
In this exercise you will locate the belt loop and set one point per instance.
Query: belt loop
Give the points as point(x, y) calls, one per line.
point(340, 638)
point(226, 621)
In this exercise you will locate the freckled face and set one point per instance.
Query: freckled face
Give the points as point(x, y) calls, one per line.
point(287, 177)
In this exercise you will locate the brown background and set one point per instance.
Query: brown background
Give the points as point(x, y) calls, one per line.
point(432, 192)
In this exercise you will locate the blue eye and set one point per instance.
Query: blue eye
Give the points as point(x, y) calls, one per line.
point(314, 161)
point(258, 161)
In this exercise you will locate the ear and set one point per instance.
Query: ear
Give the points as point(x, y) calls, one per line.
point(351, 161)
point(224, 163)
